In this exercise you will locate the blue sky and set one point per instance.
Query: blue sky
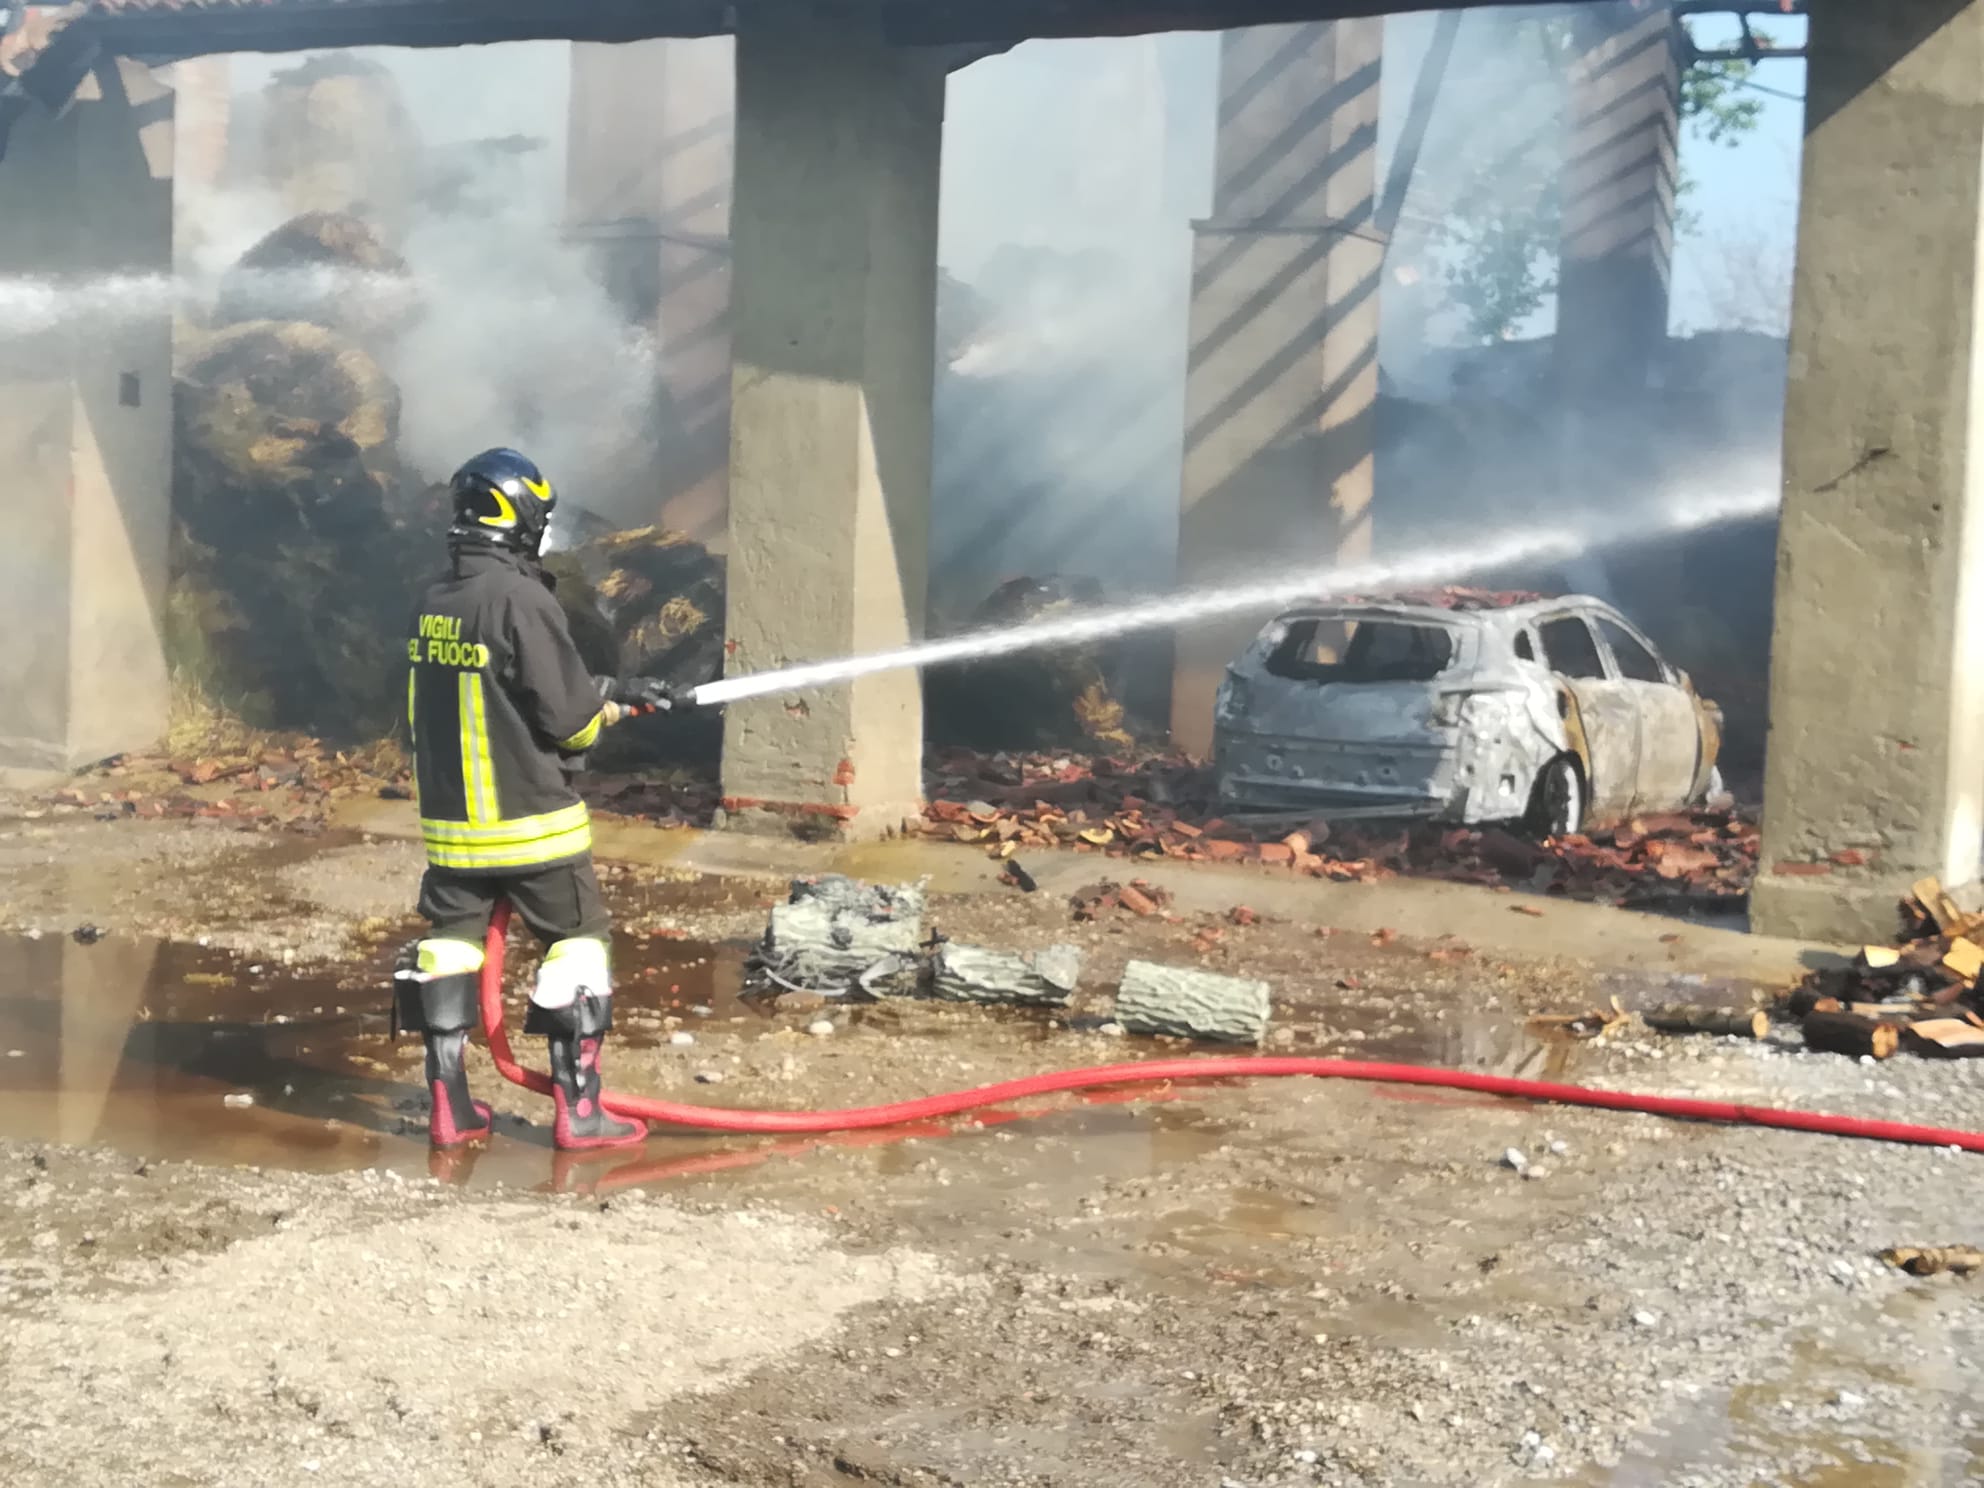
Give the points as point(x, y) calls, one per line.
point(1734, 265)
point(1745, 197)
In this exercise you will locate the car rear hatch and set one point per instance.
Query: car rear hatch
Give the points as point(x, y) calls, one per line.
point(1374, 734)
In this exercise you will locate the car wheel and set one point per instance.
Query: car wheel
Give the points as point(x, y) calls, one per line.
point(1556, 805)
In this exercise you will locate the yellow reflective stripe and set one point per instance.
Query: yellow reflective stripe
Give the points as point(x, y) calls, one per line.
point(485, 766)
point(506, 514)
point(412, 729)
point(516, 855)
point(507, 833)
point(478, 770)
point(449, 957)
point(586, 737)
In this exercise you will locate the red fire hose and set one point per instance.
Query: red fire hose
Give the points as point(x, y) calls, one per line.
point(717, 1118)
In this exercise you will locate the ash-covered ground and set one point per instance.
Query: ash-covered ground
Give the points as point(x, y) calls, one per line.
point(225, 1256)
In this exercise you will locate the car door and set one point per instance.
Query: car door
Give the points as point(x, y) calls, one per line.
point(1602, 711)
point(1670, 728)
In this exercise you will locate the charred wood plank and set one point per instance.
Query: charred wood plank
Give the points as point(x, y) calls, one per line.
point(1846, 1033)
point(1751, 1023)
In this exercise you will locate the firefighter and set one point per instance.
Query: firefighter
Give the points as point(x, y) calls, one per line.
point(502, 712)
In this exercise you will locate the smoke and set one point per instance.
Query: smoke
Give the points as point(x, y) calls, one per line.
point(518, 345)
point(1068, 196)
point(514, 341)
point(1473, 260)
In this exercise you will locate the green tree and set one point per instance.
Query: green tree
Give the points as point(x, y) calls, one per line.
point(1495, 248)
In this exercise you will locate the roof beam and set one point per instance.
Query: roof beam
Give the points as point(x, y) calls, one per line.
point(190, 29)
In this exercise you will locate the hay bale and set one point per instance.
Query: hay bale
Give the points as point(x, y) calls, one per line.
point(1064, 698)
point(289, 561)
point(328, 268)
point(277, 400)
point(654, 600)
point(592, 632)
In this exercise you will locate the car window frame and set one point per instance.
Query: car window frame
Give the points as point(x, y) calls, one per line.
point(1668, 675)
point(1277, 632)
point(1575, 612)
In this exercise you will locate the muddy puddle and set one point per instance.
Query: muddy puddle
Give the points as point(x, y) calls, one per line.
point(174, 1050)
point(1820, 1418)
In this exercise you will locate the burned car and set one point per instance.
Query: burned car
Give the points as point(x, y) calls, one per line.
point(1462, 707)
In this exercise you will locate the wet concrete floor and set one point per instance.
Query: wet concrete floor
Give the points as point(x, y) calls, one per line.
point(172, 1050)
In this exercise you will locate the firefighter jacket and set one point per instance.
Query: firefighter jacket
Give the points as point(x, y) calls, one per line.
point(500, 707)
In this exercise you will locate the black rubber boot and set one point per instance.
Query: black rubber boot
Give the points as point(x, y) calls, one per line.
point(442, 1009)
point(573, 1036)
point(457, 1118)
point(583, 1124)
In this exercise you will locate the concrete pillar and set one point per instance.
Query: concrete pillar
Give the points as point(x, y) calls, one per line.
point(839, 139)
point(648, 183)
point(1618, 199)
point(202, 116)
point(1875, 773)
point(1282, 380)
point(1615, 260)
point(86, 425)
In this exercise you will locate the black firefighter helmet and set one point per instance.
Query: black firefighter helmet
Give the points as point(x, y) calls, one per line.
point(502, 498)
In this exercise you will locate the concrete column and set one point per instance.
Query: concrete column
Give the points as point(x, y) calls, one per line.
point(698, 127)
point(1615, 260)
point(1282, 380)
point(203, 108)
point(86, 425)
point(1618, 199)
point(1875, 774)
point(839, 139)
point(648, 183)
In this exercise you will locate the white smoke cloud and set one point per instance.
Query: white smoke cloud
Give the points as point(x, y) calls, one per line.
point(518, 345)
point(514, 343)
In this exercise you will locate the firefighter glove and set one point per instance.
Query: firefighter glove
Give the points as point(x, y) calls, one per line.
point(642, 693)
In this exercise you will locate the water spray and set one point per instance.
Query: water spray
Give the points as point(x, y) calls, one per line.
point(35, 304)
point(1289, 587)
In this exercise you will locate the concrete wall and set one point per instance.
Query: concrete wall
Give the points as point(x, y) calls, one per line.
point(839, 141)
point(648, 185)
point(1282, 382)
point(86, 428)
point(1875, 772)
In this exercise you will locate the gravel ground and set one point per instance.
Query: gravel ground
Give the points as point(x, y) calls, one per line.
point(1289, 1282)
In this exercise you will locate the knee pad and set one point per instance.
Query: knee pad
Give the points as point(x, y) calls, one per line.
point(437, 987)
point(572, 969)
point(574, 991)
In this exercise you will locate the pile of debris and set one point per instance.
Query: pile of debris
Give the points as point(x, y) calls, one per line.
point(1456, 597)
point(656, 801)
point(837, 936)
point(275, 782)
point(1164, 808)
point(1921, 996)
